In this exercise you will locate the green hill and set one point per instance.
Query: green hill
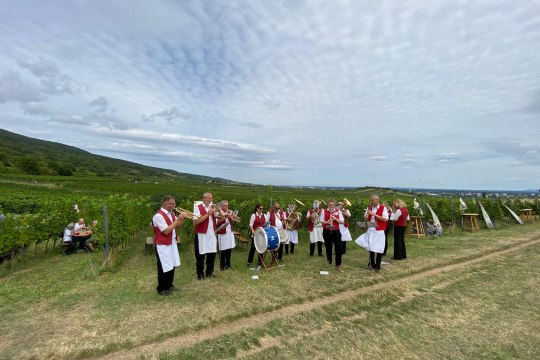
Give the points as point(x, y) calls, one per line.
point(24, 155)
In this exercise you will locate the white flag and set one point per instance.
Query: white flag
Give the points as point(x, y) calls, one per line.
point(417, 207)
point(462, 205)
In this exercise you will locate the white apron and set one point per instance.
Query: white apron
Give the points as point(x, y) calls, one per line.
point(208, 241)
point(345, 233)
point(226, 241)
point(316, 235)
point(293, 236)
point(168, 255)
point(372, 240)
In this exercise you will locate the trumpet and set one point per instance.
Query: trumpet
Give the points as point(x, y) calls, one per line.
point(189, 214)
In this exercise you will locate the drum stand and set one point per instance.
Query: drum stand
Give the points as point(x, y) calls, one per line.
point(273, 263)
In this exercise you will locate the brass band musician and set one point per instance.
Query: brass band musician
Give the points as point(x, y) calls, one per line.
point(225, 235)
point(315, 228)
point(331, 218)
point(205, 237)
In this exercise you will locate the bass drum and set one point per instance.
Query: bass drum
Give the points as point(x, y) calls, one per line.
point(266, 239)
point(283, 236)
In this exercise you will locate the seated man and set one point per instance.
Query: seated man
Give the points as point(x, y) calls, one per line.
point(433, 229)
point(67, 240)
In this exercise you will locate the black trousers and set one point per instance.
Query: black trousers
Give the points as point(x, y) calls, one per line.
point(280, 251)
point(312, 248)
point(252, 251)
point(332, 237)
point(210, 259)
point(375, 259)
point(386, 231)
point(400, 252)
point(344, 247)
point(287, 248)
point(165, 279)
point(225, 259)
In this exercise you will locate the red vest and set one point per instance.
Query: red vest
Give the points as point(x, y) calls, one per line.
point(159, 237)
point(402, 220)
point(202, 228)
point(327, 217)
point(224, 230)
point(259, 222)
point(273, 217)
point(381, 225)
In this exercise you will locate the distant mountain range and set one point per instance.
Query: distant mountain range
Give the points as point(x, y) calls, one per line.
point(24, 155)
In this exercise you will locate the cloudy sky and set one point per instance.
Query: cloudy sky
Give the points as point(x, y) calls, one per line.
point(439, 94)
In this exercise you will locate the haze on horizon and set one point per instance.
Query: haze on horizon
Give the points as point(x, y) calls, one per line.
point(410, 94)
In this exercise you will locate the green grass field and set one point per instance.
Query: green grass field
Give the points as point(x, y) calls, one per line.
point(462, 296)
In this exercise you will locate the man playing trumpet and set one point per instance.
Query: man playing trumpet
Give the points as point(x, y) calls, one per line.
point(165, 224)
point(205, 237)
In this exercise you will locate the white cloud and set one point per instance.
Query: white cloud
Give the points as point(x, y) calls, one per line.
point(303, 87)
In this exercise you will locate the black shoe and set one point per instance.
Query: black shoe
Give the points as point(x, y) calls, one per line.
point(211, 275)
point(164, 292)
point(369, 267)
point(173, 289)
point(248, 265)
point(377, 270)
point(200, 277)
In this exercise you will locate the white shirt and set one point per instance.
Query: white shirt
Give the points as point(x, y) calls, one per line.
point(345, 233)
point(279, 224)
point(208, 241)
point(168, 254)
point(78, 227)
point(397, 214)
point(67, 235)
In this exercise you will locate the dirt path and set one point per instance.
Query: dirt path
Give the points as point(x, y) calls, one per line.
point(186, 340)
